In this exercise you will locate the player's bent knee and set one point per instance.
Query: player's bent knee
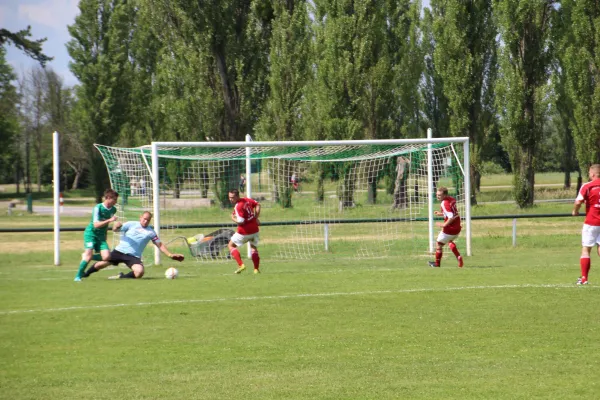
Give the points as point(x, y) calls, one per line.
point(138, 270)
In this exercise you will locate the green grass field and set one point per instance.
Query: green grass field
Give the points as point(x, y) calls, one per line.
point(511, 324)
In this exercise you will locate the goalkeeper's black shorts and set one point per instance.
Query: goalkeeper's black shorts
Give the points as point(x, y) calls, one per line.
point(116, 257)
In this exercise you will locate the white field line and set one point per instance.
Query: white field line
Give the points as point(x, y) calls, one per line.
point(281, 297)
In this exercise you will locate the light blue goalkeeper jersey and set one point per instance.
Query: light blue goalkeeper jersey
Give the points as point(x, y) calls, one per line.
point(134, 238)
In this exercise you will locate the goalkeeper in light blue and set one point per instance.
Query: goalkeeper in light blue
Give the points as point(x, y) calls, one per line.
point(135, 236)
point(94, 236)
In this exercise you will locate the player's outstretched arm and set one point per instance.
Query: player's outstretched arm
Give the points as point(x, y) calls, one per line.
point(172, 256)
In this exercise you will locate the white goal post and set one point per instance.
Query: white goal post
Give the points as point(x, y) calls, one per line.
point(376, 196)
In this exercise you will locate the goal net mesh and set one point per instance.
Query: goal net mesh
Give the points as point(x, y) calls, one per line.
point(360, 201)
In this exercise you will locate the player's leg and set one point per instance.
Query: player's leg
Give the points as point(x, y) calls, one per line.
point(97, 266)
point(88, 246)
point(585, 264)
point(588, 240)
point(454, 249)
point(255, 257)
point(137, 271)
point(236, 241)
point(442, 239)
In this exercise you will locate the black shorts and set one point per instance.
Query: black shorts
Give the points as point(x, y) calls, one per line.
point(117, 257)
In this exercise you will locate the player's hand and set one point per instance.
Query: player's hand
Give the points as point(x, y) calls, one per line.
point(177, 257)
point(117, 225)
point(440, 224)
point(113, 218)
point(437, 213)
point(575, 213)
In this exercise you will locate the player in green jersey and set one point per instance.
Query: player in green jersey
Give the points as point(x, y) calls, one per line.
point(94, 237)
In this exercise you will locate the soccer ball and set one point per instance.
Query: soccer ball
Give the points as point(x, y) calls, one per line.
point(171, 273)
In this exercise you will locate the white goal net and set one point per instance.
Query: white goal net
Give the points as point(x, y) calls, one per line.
point(359, 199)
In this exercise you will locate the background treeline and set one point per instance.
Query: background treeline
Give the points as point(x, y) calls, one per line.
point(519, 78)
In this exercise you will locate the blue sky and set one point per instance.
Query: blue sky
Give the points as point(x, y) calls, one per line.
point(49, 19)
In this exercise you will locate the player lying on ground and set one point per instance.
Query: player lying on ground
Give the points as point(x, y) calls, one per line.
point(134, 238)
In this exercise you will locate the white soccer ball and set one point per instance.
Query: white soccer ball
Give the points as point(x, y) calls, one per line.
point(171, 273)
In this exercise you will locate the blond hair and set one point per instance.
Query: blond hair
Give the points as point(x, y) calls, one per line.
point(595, 169)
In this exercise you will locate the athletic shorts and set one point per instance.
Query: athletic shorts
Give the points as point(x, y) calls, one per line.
point(91, 241)
point(590, 235)
point(445, 238)
point(117, 257)
point(239, 239)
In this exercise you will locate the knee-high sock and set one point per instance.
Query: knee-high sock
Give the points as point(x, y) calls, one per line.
point(454, 249)
point(256, 259)
point(438, 257)
point(585, 263)
point(235, 253)
point(92, 269)
point(82, 266)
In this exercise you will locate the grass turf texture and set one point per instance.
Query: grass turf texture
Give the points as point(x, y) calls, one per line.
point(510, 325)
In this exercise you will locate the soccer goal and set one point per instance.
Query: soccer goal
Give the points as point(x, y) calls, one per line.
point(368, 198)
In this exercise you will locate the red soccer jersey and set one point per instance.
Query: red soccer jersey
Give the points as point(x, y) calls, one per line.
point(590, 195)
point(449, 210)
point(244, 212)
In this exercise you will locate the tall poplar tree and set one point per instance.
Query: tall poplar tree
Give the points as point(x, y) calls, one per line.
point(465, 57)
point(526, 55)
point(580, 59)
point(221, 47)
point(288, 72)
point(99, 48)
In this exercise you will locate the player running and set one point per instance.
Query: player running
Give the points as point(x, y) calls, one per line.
point(245, 215)
point(94, 236)
point(589, 194)
point(450, 227)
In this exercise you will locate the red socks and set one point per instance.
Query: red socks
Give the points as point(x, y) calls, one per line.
point(235, 253)
point(255, 259)
point(454, 249)
point(585, 264)
point(438, 258)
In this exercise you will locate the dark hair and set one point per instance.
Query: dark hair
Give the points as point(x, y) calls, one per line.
point(111, 194)
point(235, 192)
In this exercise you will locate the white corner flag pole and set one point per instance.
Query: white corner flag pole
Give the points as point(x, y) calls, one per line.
point(56, 194)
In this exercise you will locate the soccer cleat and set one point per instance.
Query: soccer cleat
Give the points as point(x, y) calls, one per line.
point(256, 271)
point(77, 279)
point(432, 264)
point(116, 276)
point(460, 262)
point(240, 269)
point(582, 281)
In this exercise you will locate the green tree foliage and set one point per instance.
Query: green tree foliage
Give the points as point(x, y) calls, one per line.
point(9, 122)
point(288, 73)
point(220, 49)
point(580, 58)
point(435, 103)
point(33, 48)
point(99, 48)
point(526, 55)
point(465, 58)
